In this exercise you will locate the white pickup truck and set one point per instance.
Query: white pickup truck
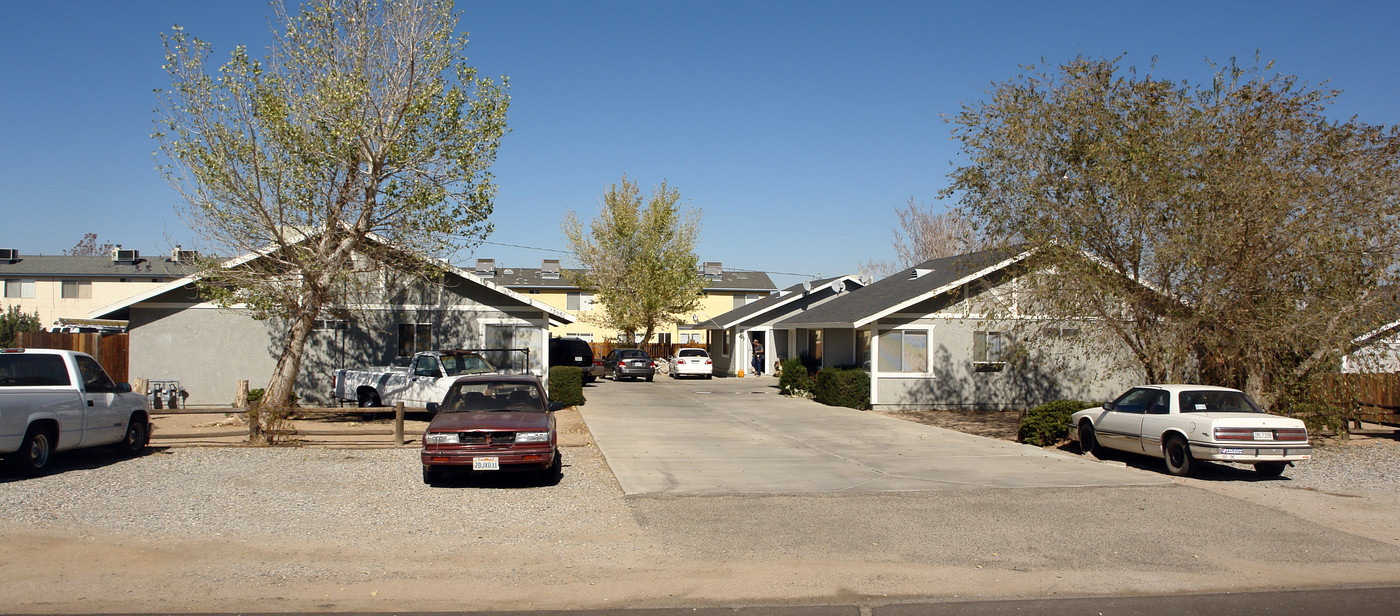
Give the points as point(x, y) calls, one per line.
point(53, 400)
point(426, 379)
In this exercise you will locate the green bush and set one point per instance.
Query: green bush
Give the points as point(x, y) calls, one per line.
point(795, 380)
point(13, 321)
point(846, 387)
point(1316, 416)
point(1048, 423)
point(566, 385)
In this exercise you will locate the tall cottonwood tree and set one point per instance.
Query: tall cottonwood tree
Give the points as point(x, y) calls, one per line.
point(638, 257)
point(363, 121)
point(1236, 234)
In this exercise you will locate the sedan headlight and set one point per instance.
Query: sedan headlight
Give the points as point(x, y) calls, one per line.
point(532, 437)
point(441, 438)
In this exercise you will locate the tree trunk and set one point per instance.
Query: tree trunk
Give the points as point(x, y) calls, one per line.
point(277, 399)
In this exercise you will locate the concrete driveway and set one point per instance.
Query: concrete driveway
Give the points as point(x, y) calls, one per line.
point(738, 436)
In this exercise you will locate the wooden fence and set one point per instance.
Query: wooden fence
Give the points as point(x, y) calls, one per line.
point(111, 350)
point(657, 350)
point(1369, 397)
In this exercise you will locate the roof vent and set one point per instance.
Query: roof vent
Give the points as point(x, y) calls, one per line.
point(714, 270)
point(9, 254)
point(180, 255)
point(919, 272)
point(486, 268)
point(549, 269)
point(124, 256)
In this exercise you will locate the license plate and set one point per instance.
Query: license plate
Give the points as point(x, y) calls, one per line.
point(1263, 436)
point(578, 358)
point(486, 464)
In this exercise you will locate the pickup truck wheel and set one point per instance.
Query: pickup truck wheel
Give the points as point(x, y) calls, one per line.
point(1178, 456)
point(1270, 469)
point(134, 443)
point(35, 452)
point(1087, 441)
point(368, 399)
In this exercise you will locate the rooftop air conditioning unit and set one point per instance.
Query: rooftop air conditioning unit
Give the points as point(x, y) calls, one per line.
point(9, 254)
point(125, 256)
point(549, 269)
point(183, 256)
point(486, 268)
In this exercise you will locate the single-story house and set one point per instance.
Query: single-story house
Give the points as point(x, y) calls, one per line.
point(731, 335)
point(178, 335)
point(942, 334)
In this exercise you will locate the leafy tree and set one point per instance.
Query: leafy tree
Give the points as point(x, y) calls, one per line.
point(638, 256)
point(89, 247)
point(1236, 235)
point(363, 121)
point(14, 321)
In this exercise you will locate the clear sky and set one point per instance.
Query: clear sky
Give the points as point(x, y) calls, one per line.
point(796, 127)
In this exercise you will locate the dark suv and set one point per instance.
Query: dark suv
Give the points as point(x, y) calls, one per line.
point(574, 352)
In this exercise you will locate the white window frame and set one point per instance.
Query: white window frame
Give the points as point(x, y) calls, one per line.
point(24, 288)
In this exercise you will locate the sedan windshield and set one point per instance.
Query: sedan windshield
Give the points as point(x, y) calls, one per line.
point(479, 396)
point(1217, 402)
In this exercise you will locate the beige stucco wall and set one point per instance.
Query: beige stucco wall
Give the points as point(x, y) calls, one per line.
point(714, 303)
point(50, 304)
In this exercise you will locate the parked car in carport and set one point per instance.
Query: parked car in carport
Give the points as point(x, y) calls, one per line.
point(575, 352)
point(691, 362)
point(629, 363)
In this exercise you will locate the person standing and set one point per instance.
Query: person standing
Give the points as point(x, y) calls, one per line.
point(757, 357)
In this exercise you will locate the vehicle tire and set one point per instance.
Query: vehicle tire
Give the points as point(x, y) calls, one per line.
point(649, 377)
point(555, 473)
point(431, 477)
point(1270, 469)
point(1088, 443)
point(368, 399)
point(35, 453)
point(134, 442)
point(709, 376)
point(1177, 454)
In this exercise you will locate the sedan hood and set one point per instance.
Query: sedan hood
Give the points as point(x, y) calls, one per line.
point(497, 421)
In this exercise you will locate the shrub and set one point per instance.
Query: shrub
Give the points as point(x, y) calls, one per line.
point(566, 385)
point(843, 387)
point(795, 380)
point(1048, 423)
point(1317, 416)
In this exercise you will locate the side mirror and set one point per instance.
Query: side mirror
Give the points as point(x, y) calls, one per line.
point(433, 407)
point(556, 406)
point(123, 388)
point(1108, 406)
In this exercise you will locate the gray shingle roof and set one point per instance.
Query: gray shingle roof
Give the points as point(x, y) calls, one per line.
point(899, 289)
point(530, 277)
point(92, 267)
point(743, 313)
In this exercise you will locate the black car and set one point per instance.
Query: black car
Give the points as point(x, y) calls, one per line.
point(629, 363)
point(574, 352)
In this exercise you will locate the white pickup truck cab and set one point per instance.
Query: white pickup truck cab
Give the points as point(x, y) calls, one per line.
point(52, 401)
point(426, 380)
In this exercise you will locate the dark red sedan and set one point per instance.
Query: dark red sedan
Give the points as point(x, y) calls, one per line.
point(492, 423)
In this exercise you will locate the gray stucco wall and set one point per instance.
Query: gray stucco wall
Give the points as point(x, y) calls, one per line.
point(1040, 375)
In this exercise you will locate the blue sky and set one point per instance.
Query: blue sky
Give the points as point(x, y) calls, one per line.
point(795, 127)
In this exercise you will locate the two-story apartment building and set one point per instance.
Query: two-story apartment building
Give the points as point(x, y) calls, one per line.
point(724, 291)
point(66, 289)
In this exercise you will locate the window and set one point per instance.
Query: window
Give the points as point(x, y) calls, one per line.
point(863, 348)
point(1136, 401)
point(95, 380)
point(579, 301)
point(904, 351)
point(692, 337)
point(988, 351)
point(584, 336)
point(19, 289)
point(414, 337)
point(75, 289)
point(328, 324)
point(814, 345)
point(741, 300)
point(663, 338)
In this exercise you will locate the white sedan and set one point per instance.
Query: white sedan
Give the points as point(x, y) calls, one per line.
point(1185, 423)
point(691, 362)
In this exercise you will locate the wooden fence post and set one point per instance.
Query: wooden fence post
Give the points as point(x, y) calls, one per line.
point(398, 423)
